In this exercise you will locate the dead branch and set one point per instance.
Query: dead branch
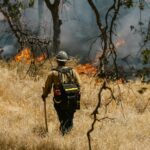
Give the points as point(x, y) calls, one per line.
point(95, 112)
point(115, 8)
point(106, 32)
point(24, 37)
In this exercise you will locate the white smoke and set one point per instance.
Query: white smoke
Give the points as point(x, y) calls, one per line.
point(79, 26)
point(133, 39)
point(9, 51)
point(1, 17)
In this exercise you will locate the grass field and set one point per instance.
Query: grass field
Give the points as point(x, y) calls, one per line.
point(22, 115)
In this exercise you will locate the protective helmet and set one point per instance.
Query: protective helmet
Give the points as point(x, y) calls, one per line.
point(62, 56)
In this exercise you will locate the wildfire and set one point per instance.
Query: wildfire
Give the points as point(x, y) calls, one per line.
point(121, 81)
point(86, 69)
point(41, 58)
point(26, 56)
point(119, 42)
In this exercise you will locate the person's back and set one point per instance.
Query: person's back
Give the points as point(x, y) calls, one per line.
point(60, 76)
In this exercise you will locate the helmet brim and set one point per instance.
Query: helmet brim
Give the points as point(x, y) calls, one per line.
point(62, 60)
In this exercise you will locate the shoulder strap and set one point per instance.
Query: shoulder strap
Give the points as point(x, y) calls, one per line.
point(67, 71)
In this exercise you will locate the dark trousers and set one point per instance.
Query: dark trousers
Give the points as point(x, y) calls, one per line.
point(65, 117)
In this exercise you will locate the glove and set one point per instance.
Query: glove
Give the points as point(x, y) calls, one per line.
point(43, 97)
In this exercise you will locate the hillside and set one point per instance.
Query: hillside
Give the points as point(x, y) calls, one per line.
point(22, 115)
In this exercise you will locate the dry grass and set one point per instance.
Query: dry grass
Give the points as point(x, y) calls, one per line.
point(22, 122)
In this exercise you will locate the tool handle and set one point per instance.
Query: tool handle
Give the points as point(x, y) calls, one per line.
point(45, 115)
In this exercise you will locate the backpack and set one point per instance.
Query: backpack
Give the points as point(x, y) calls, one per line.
point(67, 93)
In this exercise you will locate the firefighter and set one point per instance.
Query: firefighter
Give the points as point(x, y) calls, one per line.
point(65, 113)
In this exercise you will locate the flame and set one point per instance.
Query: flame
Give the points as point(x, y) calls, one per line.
point(119, 42)
point(41, 58)
point(121, 81)
point(86, 69)
point(24, 55)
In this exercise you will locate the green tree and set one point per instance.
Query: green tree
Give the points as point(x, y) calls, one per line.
point(146, 56)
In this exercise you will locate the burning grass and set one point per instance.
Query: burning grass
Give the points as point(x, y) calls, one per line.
point(87, 69)
point(27, 56)
point(22, 122)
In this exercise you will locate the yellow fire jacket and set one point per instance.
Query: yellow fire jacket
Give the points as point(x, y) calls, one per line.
point(53, 80)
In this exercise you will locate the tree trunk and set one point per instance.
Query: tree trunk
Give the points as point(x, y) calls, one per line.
point(40, 15)
point(54, 9)
point(56, 30)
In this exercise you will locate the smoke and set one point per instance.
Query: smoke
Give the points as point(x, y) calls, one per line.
point(9, 51)
point(79, 27)
point(1, 17)
point(134, 34)
point(133, 39)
